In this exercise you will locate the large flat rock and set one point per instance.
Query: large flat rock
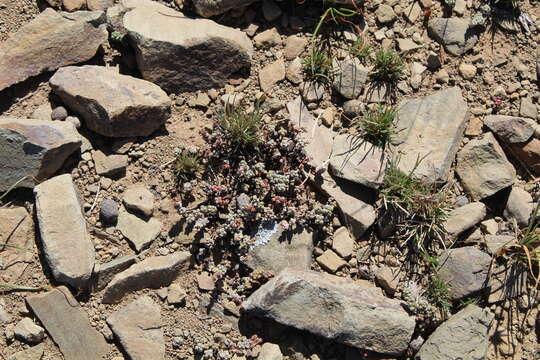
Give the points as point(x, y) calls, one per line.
point(139, 232)
point(456, 35)
point(51, 40)
point(349, 312)
point(430, 130)
point(179, 53)
point(110, 103)
point(68, 325)
point(16, 232)
point(67, 246)
point(33, 148)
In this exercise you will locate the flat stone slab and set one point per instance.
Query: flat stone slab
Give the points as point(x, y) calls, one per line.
point(68, 324)
point(138, 328)
point(67, 246)
point(430, 130)
point(350, 312)
point(464, 218)
point(153, 272)
point(511, 129)
point(16, 231)
point(33, 148)
point(139, 232)
point(104, 273)
point(51, 40)
point(110, 103)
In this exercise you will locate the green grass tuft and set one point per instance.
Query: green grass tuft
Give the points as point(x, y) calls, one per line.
point(318, 66)
point(387, 66)
point(186, 165)
point(378, 125)
point(241, 127)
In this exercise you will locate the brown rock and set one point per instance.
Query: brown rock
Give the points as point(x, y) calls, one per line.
point(73, 5)
point(271, 74)
point(113, 166)
point(16, 231)
point(99, 4)
point(294, 47)
point(529, 153)
point(330, 261)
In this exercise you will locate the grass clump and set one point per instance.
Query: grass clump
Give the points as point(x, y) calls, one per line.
point(360, 50)
point(240, 126)
point(387, 66)
point(186, 165)
point(318, 66)
point(438, 294)
point(378, 125)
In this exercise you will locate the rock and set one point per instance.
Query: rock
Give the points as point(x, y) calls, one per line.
point(139, 199)
point(99, 4)
point(465, 270)
point(294, 72)
point(342, 243)
point(51, 40)
point(385, 14)
point(353, 108)
point(108, 212)
point(271, 74)
point(494, 243)
point(457, 35)
point(490, 226)
point(33, 353)
point(139, 329)
point(278, 249)
point(17, 230)
point(5, 317)
point(73, 5)
point(386, 278)
point(139, 232)
point(464, 217)
point(413, 12)
point(67, 246)
point(110, 103)
point(104, 273)
point(42, 112)
point(511, 129)
point(270, 351)
point(330, 261)
point(27, 331)
point(349, 312)
point(527, 108)
point(463, 336)
point(312, 91)
point(153, 272)
point(208, 8)
point(271, 10)
point(176, 295)
point(112, 166)
point(468, 71)
point(519, 206)
point(350, 78)
point(68, 324)
point(294, 47)
point(267, 38)
point(75, 121)
point(179, 53)
point(442, 76)
point(432, 134)
point(529, 153)
point(59, 113)
point(357, 160)
point(33, 148)
point(407, 45)
point(483, 168)
point(205, 281)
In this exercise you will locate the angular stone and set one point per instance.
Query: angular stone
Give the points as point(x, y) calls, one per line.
point(463, 336)
point(407, 45)
point(16, 232)
point(529, 153)
point(139, 329)
point(427, 130)
point(271, 74)
point(68, 324)
point(464, 217)
point(176, 295)
point(99, 4)
point(179, 53)
point(457, 35)
point(67, 246)
point(349, 312)
point(270, 351)
point(153, 272)
point(33, 353)
point(386, 278)
point(139, 199)
point(511, 129)
point(113, 166)
point(294, 47)
point(342, 243)
point(519, 206)
point(280, 249)
point(110, 103)
point(33, 148)
point(465, 270)
point(312, 91)
point(494, 243)
point(267, 38)
point(527, 108)
point(413, 11)
point(51, 40)
point(483, 168)
point(350, 78)
point(139, 232)
point(385, 14)
point(294, 72)
point(26, 330)
point(330, 261)
point(104, 273)
point(208, 8)
point(205, 281)
point(357, 160)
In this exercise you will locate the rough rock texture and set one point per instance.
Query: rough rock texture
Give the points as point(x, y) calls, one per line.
point(209, 8)
point(342, 243)
point(457, 35)
point(138, 231)
point(50, 41)
point(511, 129)
point(271, 74)
point(27, 331)
point(68, 324)
point(463, 336)
point(104, 273)
point(33, 353)
point(520, 206)
point(350, 78)
point(428, 131)
point(529, 153)
point(349, 312)
point(184, 54)
point(357, 160)
point(465, 270)
point(153, 272)
point(138, 328)
point(464, 218)
point(330, 261)
point(110, 103)
point(270, 351)
point(139, 199)
point(483, 168)
point(67, 246)
point(36, 148)
point(99, 4)
point(16, 230)
point(111, 166)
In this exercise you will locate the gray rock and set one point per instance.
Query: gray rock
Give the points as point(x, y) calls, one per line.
point(33, 149)
point(385, 14)
point(108, 211)
point(26, 330)
point(357, 160)
point(463, 336)
point(312, 91)
point(350, 78)
point(99, 4)
point(465, 270)
point(494, 243)
point(267, 38)
point(110, 103)
point(511, 129)
point(270, 351)
point(104, 273)
point(483, 168)
point(349, 312)
point(179, 53)
point(33, 353)
point(427, 130)
point(139, 199)
point(17, 229)
point(112, 166)
point(140, 232)
point(153, 272)
point(75, 121)
point(68, 324)
point(67, 246)
point(209, 8)
point(457, 35)
point(386, 278)
point(59, 113)
point(51, 40)
point(464, 217)
point(527, 108)
point(139, 329)
point(280, 249)
point(520, 206)
point(353, 108)
point(5, 317)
